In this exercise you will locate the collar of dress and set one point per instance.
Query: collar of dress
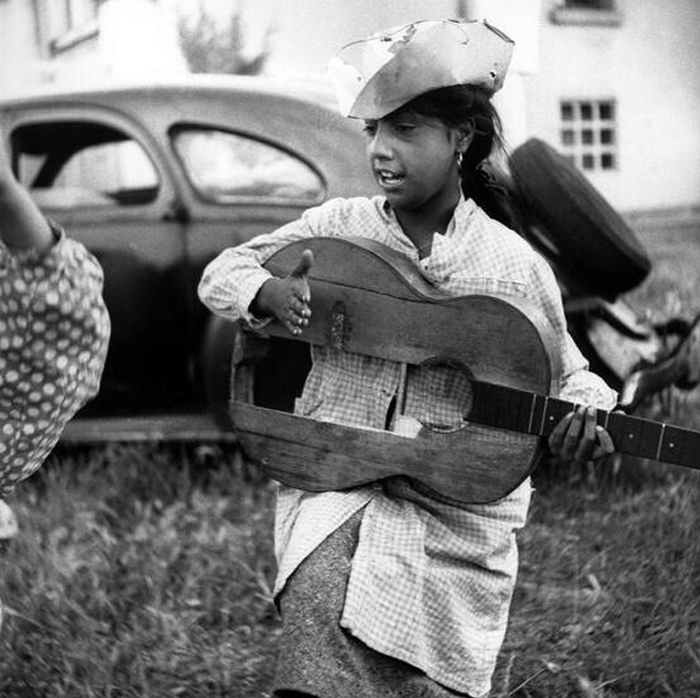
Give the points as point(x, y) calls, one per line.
point(465, 207)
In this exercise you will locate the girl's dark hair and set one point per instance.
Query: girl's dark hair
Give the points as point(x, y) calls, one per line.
point(463, 106)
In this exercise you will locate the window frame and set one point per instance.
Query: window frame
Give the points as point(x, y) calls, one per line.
point(241, 199)
point(72, 31)
point(571, 12)
point(97, 135)
point(594, 5)
point(47, 114)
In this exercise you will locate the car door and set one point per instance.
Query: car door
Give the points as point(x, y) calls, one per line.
point(100, 175)
point(241, 186)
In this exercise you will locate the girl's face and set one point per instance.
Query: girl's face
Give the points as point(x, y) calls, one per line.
point(414, 160)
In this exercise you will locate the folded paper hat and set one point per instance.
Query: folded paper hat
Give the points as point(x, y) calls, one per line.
point(375, 76)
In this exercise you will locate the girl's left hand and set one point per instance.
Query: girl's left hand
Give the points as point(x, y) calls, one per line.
point(578, 439)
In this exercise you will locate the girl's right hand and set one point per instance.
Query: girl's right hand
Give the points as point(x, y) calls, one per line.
point(287, 299)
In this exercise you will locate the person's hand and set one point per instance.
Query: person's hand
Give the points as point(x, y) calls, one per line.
point(288, 299)
point(578, 439)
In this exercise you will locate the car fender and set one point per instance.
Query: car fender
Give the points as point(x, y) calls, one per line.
point(218, 340)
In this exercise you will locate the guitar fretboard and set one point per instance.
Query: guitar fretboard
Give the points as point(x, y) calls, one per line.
point(519, 410)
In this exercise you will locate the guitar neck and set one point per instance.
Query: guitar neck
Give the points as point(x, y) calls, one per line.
point(518, 410)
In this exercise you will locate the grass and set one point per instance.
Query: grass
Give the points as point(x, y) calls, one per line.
point(146, 570)
point(607, 602)
point(140, 571)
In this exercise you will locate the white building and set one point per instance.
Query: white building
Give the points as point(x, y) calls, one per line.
point(613, 83)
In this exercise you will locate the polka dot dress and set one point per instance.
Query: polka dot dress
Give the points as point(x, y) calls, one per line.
point(54, 331)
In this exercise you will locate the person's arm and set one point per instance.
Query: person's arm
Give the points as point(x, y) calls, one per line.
point(576, 438)
point(54, 331)
point(22, 225)
point(237, 287)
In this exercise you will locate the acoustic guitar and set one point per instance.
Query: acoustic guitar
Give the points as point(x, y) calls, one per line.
point(369, 299)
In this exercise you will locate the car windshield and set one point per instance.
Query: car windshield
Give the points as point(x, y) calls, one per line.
point(224, 166)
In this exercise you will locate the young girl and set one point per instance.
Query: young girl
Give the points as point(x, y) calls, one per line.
point(384, 591)
point(54, 330)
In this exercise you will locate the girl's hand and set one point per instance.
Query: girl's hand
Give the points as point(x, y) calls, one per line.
point(287, 299)
point(578, 439)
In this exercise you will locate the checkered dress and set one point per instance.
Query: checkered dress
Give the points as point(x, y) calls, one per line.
point(430, 583)
point(54, 330)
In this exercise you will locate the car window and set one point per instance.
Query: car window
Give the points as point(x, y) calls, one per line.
point(224, 166)
point(81, 163)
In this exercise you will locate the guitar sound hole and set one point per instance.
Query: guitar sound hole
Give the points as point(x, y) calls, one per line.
point(440, 394)
point(280, 376)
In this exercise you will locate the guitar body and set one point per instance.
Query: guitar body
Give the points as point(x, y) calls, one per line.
point(369, 299)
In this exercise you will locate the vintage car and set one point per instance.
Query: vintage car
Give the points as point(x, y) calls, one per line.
point(156, 180)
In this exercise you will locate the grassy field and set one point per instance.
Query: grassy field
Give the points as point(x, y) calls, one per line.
point(145, 570)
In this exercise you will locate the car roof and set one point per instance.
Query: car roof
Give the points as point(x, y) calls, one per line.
point(302, 115)
point(313, 91)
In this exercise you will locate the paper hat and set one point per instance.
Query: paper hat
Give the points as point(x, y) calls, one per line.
point(375, 76)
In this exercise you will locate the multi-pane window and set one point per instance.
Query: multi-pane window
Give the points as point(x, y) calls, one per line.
point(589, 134)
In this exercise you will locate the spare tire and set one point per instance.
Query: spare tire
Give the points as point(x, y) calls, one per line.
point(594, 243)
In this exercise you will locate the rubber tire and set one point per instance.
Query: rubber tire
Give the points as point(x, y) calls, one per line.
point(597, 247)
